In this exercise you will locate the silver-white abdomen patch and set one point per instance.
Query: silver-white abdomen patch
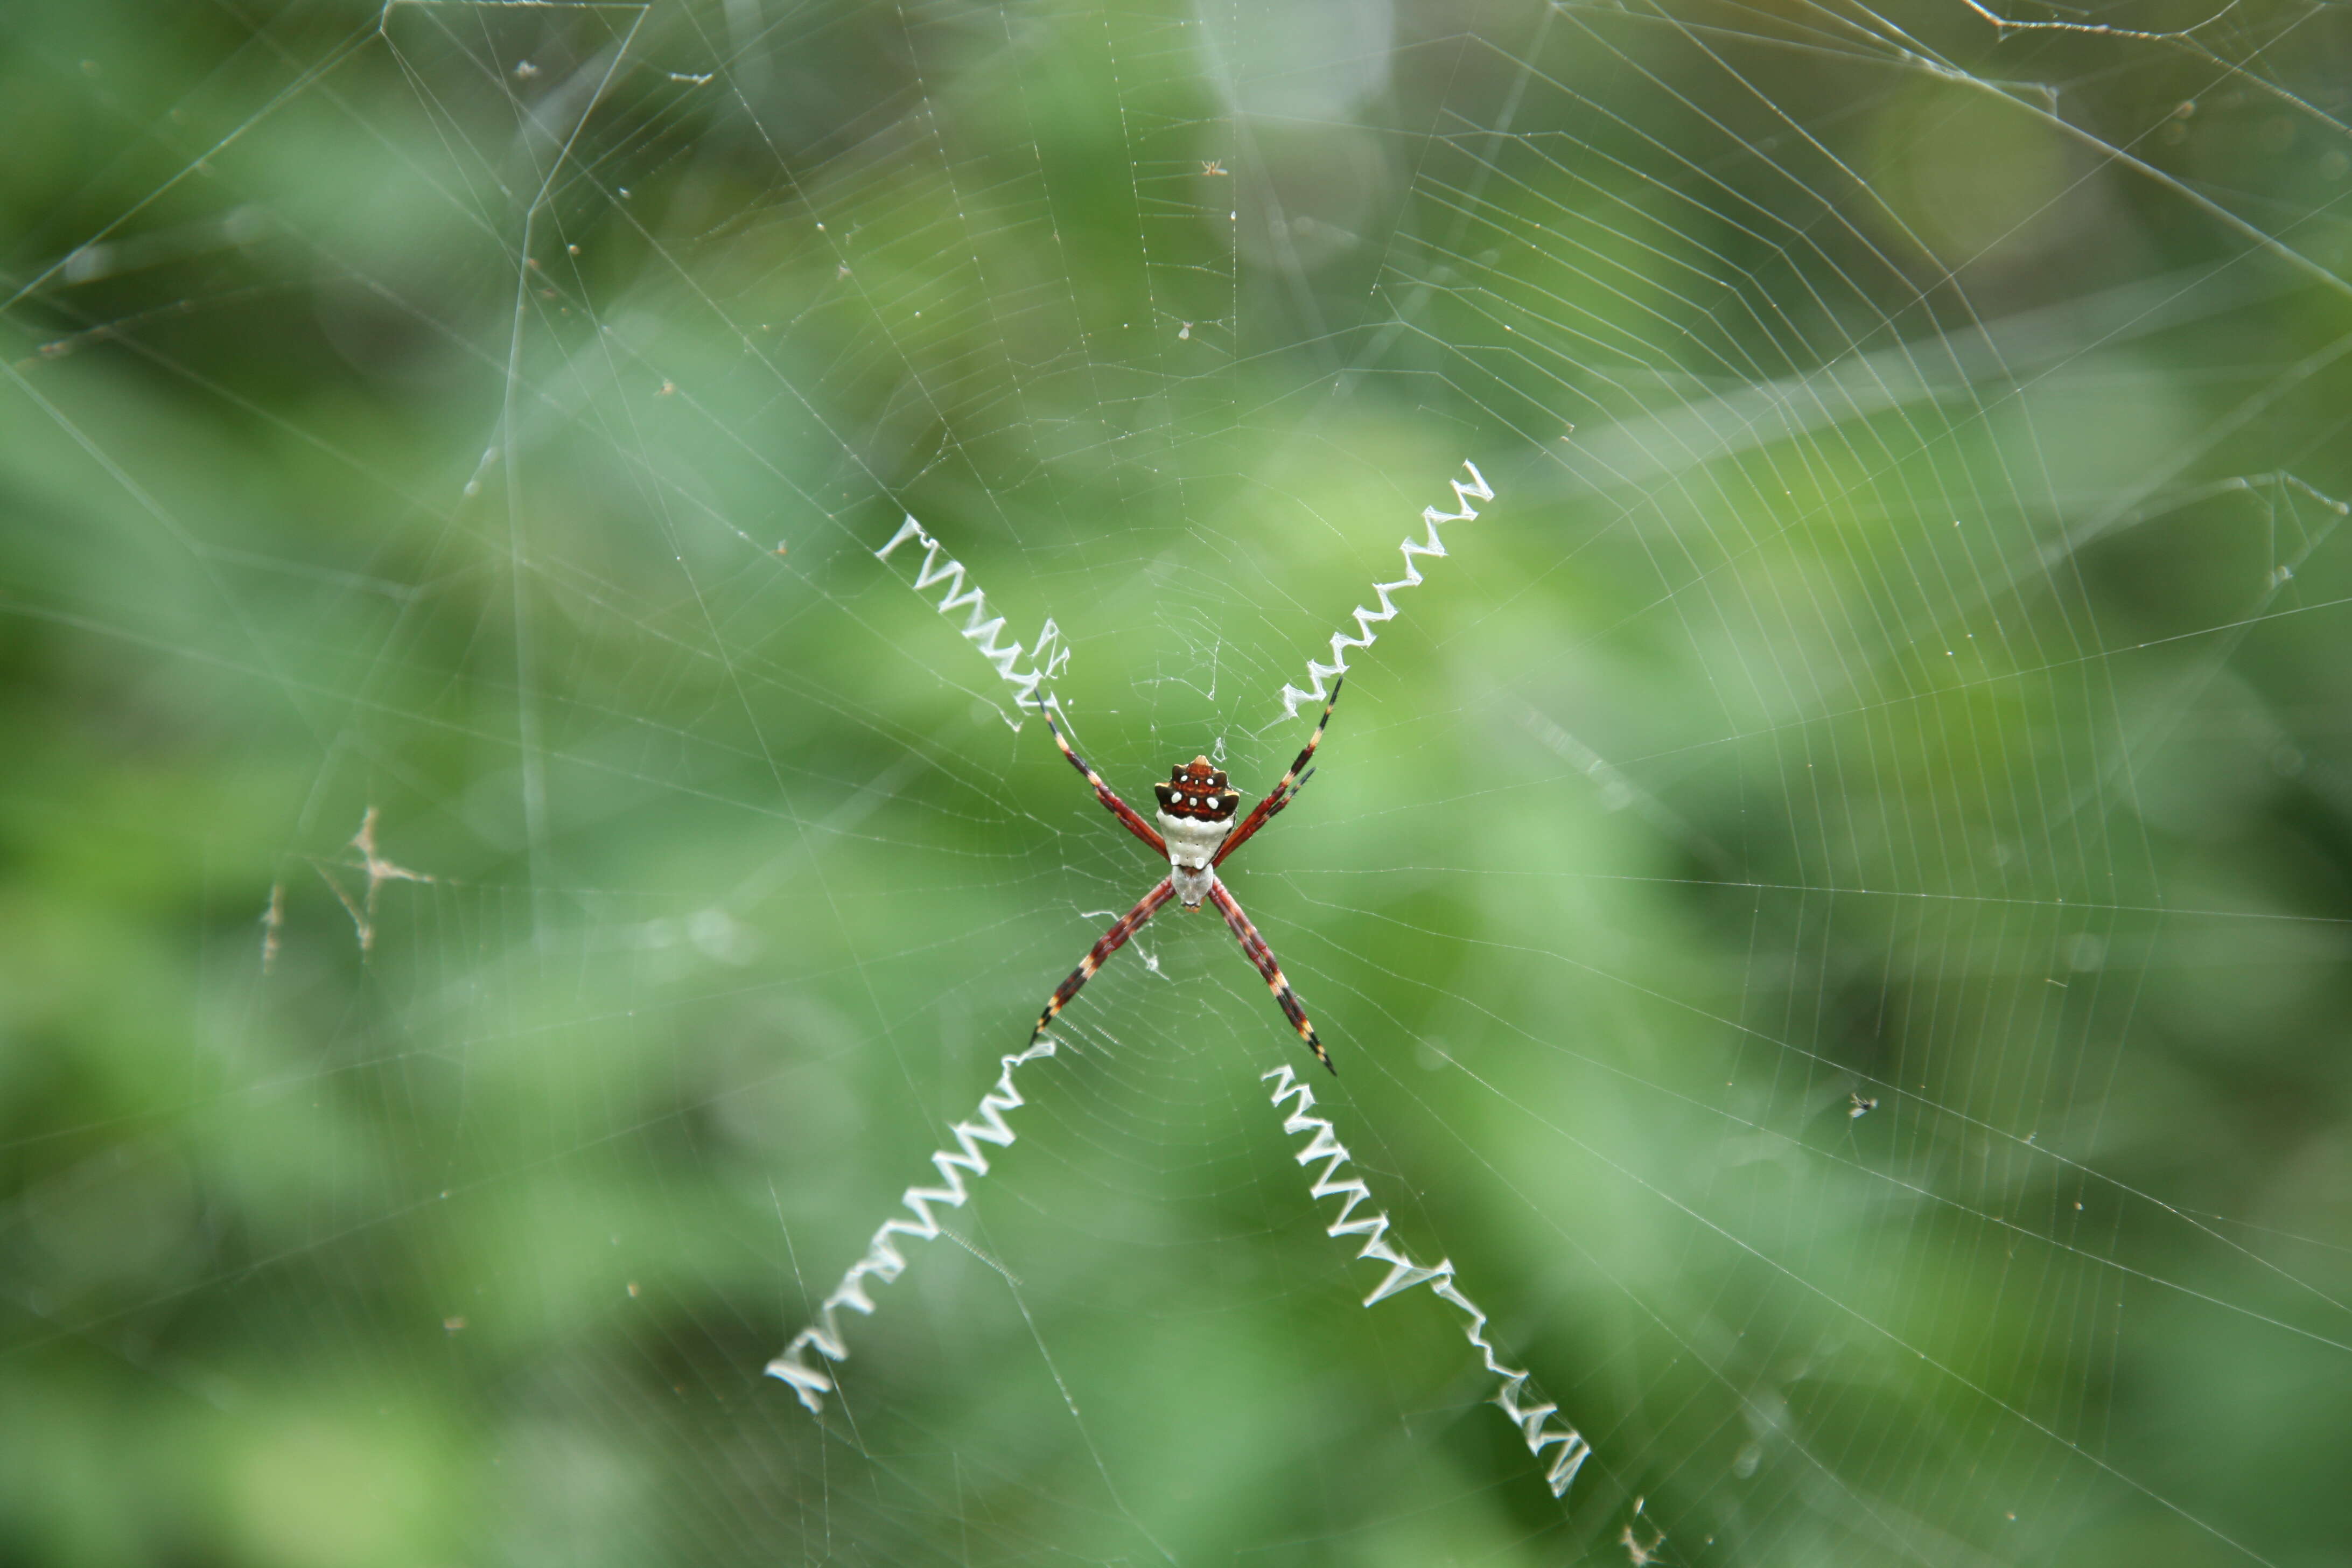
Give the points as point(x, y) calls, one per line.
point(1191, 843)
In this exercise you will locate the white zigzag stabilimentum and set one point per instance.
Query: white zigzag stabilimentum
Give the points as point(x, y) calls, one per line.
point(979, 629)
point(1366, 619)
point(1534, 1420)
point(883, 1261)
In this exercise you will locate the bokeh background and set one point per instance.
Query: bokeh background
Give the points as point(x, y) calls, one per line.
point(1830, 902)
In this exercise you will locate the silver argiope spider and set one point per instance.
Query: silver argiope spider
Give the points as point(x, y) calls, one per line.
point(1196, 832)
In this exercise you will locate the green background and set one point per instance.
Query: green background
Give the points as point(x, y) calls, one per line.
point(1830, 903)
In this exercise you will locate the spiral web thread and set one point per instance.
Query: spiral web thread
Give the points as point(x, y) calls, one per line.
point(1534, 1421)
point(883, 1261)
point(979, 629)
point(1477, 490)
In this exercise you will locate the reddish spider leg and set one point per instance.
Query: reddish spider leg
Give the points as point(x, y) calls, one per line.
point(1283, 792)
point(1263, 956)
point(1112, 940)
point(1111, 803)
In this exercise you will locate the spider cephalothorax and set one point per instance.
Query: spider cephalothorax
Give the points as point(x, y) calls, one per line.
point(1196, 832)
point(1198, 791)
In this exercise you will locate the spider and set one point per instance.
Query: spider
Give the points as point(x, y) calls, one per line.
point(1196, 832)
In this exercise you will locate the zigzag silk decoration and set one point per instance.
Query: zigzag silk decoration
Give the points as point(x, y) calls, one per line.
point(1366, 619)
point(883, 1261)
point(979, 629)
point(1534, 1420)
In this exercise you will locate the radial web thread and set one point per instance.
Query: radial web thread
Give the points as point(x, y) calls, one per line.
point(980, 629)
point(1463, 494)
point(883, 1261)
point(1534, 1420)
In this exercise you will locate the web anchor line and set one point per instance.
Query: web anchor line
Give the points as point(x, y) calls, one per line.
point(1046, 661)
point(1534, 1420)
point(1477, 490)
point(883, 1261)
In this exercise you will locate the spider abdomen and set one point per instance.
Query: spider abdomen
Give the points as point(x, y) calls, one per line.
point(1191, 844)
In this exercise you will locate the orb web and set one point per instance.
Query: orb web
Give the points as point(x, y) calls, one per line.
point(1828, 898)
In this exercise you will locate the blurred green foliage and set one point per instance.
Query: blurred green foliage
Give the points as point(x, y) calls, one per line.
point(1830, 903)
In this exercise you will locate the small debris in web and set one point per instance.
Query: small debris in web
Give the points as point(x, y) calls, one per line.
point(273, 923)
point(362, 908)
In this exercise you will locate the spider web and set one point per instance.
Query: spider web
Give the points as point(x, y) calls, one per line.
point(534, 527)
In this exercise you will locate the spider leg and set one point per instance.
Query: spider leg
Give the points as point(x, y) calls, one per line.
point(1111, 803)
point(1285, 790)
point(1263, 956)
point(1126, 926)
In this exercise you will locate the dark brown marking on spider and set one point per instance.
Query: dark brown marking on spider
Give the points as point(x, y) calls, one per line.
point(1263, 957)
point(1111, 803)
point(1126, 926)
point(1199, 791)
